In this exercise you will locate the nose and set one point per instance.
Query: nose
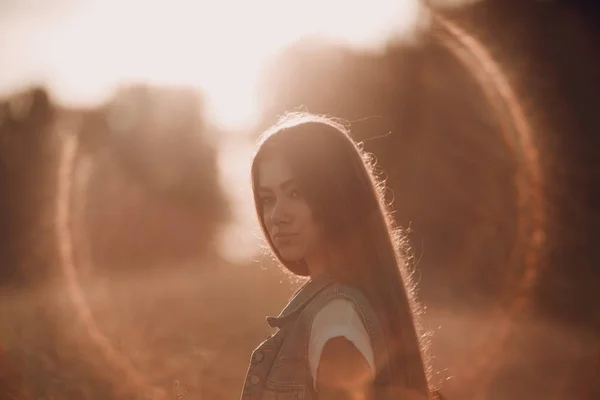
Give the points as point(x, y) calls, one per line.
point(280, 214)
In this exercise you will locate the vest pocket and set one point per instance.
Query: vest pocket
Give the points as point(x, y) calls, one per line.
point(287, 371)
point(283, 392)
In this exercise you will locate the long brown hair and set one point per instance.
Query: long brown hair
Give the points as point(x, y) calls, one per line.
point(337, 178)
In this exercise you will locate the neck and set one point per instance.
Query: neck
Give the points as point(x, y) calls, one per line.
point(316, 266)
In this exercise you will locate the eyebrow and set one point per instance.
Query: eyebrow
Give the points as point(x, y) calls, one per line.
point(283, 185)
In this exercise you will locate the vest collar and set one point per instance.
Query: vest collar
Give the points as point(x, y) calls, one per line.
point(309, 290)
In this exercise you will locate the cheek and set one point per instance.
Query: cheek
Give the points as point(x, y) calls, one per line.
point(311, 231)
point(304, 212)
point(314, 237)
point(265, 218)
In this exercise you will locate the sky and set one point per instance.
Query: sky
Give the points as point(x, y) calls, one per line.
point(83, 49)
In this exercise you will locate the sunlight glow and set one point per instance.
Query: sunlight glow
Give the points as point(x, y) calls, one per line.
point(84, 50)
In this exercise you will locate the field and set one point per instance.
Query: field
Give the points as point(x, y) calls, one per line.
point(188, 334)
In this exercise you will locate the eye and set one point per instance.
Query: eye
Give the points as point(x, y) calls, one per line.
point(266, 200)
point(295, 193)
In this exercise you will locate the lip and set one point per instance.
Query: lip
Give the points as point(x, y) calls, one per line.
point(284, 235)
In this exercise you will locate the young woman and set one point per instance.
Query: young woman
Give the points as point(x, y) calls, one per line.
point(349, 332)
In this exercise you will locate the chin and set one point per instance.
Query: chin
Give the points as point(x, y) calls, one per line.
point(291, 256)
point(294, 262)
point(297, 267)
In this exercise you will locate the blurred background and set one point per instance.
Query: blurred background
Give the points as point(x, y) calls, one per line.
point(131, 263)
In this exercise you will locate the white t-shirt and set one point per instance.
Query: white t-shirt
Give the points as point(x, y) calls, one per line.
point(337, 318)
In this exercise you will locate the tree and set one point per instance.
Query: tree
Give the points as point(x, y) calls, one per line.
point(26, 172)
point(155, 197)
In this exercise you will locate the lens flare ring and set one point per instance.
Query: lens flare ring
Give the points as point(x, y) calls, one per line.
point(68, 147)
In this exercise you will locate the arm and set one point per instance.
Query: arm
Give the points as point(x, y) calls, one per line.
point(343, 372)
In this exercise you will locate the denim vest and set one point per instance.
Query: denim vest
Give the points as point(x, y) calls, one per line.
point(279, 366)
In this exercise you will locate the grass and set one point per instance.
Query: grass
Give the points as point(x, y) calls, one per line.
point(190, 334)
point(184, 331)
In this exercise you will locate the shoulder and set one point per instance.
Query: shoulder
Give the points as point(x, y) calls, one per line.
point(338, 297)
point(342, 300)
point(345, 292)
point(336, 307)
point(339, 337)
point(338, 315)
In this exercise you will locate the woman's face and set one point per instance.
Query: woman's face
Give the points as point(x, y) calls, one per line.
point(286, 214)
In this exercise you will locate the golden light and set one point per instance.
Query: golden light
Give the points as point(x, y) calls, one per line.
point(84, 50)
